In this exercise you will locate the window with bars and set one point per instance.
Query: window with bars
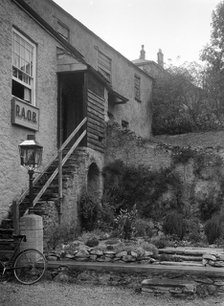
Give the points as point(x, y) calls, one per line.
point(23, 67)
point(104, 65)
point(137, 88)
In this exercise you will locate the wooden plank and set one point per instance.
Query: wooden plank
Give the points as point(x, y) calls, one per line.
point(95, 142)
point(95, 115)
point(95, 135)
point(96, 109)
point(15, 216)
point(94, 122)
point(92, 108)
point(96, 105)
point(96, 129)
point(96, 148)
point(95, 96)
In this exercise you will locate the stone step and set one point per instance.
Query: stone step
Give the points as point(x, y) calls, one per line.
point(180, 251)
point(175, 287)
point(6, 233)
point(174, 257)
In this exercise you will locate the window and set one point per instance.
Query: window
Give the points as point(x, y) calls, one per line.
point(104, 65)
point(23, 68)
point(137, 88)
point(63, 30)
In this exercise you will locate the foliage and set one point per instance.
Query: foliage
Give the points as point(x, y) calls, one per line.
point(182, 155)
point(213, 57)
point(125, 223)
point(88, 212)
point(193, 229)
point(179, 104)
point(143, 228)
point(160, 242)
point(92, 242)
point(175, 224)
point(213, 229)
point(61, 233)
point(141, 187)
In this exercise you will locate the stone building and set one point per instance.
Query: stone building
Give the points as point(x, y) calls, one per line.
point(55, 73)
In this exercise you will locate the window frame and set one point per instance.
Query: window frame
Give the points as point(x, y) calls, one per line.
point(32, 76)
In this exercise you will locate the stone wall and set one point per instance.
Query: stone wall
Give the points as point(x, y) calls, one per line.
point(133, 150)
point(200, 170)
point(75, 183)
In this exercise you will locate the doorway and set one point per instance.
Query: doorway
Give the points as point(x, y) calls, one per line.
point(71, 103)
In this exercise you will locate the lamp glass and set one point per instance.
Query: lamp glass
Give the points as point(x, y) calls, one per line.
point(30, 154)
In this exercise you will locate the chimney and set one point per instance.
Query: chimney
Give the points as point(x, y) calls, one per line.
point(142, 53)
point(160, 58)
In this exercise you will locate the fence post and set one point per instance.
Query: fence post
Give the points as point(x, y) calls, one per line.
point(15, 217)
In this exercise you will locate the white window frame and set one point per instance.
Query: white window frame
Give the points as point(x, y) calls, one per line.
point(32, 76)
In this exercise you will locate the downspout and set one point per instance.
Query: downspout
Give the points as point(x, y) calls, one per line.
point(60, 122)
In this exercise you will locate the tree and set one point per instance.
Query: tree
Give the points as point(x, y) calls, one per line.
point(213, 56)
point(178, 101)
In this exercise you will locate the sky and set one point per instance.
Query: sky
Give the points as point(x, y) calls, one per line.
point(181, 28)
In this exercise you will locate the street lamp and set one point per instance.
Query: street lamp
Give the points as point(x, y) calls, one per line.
point(30, 157)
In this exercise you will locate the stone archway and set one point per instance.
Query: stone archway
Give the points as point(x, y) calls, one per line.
point(93, 181)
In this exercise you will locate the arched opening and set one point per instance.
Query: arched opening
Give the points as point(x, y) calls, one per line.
point(93, 181)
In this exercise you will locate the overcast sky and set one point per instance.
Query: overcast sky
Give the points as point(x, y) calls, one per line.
point(181, 28)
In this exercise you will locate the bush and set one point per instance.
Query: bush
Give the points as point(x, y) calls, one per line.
point(61, 234)
point(125, 223)
point(88, 212)
point(160, 242)
point(193, 229)
point(175, 224)
point(213, 229)
point(208, 207)
point(143, 228)
point(141, 187)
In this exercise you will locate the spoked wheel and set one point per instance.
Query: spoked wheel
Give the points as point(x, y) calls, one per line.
point(29, 266)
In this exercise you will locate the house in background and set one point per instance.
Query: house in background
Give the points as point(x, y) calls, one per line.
point(58, 78)
point(152, 68)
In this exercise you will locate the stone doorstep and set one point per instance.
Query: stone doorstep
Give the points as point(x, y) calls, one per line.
point(138, 268)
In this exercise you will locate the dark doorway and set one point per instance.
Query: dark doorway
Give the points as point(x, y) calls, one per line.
point(71, 102)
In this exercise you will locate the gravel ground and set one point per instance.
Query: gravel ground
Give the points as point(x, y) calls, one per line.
point(54, 294)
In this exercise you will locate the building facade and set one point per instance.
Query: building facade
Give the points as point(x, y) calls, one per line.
point(54, 73)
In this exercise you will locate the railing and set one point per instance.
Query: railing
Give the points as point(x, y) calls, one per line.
point(61, 163)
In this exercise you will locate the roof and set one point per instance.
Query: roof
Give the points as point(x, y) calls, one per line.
point(92, 33)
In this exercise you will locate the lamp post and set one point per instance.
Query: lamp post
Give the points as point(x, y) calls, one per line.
point(30, 158)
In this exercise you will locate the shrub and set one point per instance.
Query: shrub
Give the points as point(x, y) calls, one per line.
point(175, 224)
point(150, 248)
point(92, 242)
point(88, 212)
point(213, 229)
point(141, 187)
point(208, 207)
point(125, 223)
point(61, 233)
point(160, 242)
point(143, 228)
point(106, 215)
point(193, 229)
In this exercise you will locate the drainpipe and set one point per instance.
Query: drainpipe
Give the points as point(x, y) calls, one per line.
point(60, 123)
